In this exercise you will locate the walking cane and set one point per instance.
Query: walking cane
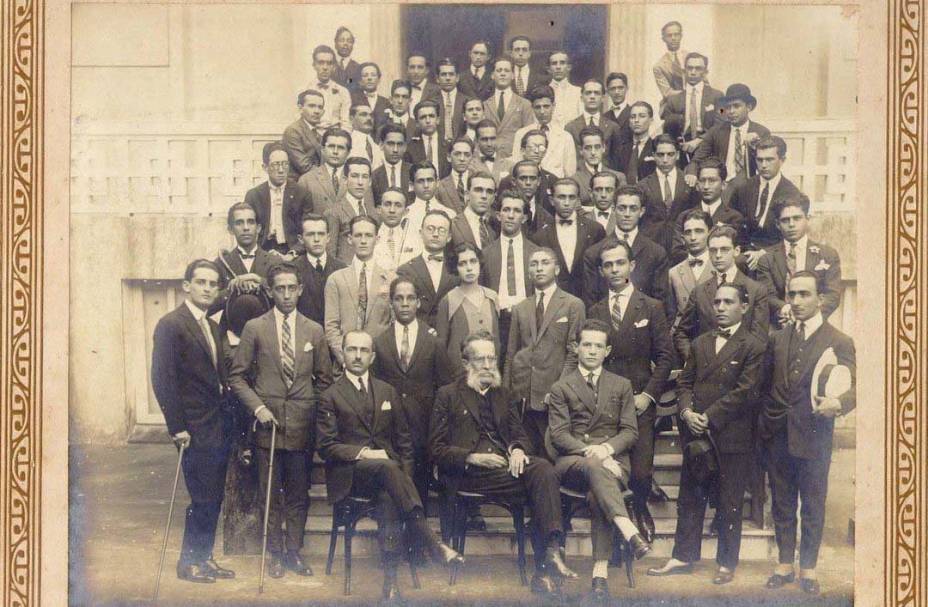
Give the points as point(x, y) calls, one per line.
point(267, 505)
point(167, 526)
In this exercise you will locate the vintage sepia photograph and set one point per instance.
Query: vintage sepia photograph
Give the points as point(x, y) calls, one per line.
point(465, 304)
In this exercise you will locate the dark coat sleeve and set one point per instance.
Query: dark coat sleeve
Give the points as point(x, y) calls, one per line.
point(441, 451)
point(661, 351)
point(330, 447)
point(740, 400)
point(164, 378)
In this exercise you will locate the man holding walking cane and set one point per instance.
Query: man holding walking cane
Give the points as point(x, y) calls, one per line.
point(187, 375)
point(280, 367)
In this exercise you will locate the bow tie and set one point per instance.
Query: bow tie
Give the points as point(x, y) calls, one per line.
point(603, 214)
point(566, 222)
point(322, 86)
point(487, 158)
point(247, 255)
point(723, 333)
point(695, 261)
point(436, 258)
point(418, 87)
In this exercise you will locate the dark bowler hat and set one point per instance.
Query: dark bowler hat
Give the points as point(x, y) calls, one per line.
point(736, 92)
point(242, 308)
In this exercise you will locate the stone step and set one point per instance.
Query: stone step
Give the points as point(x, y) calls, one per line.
point(499, 539)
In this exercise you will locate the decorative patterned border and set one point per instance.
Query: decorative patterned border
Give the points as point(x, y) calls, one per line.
point(20, 299)
point(905, 306)
point(21, 217)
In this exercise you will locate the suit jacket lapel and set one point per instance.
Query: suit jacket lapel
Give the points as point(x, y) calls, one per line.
point(361, 405)
point(632, 311)
point(602, 393)
point(551, 309)
point(583, 391)
point(418, 346)
point(729, 349)
point(270, 328)
point(197, 332)
point(234, 259)
point(687, 277)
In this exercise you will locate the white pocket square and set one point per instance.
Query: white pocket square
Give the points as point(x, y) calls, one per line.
point(822, 265)
point(641, 323)
point(308, 347)
point(561, 319)
point(734, 362)
point(386, 406)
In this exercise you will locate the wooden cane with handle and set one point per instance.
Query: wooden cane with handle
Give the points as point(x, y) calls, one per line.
point(267, 505)
point(167, 526)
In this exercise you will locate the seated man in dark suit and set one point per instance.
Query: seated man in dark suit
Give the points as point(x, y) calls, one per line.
point(695, 106)
point(428, 271)
point(634, 156)
point(718, 392)
point(758, 196)
point(347, 70)
point(796, 427)
point(650, 272)
point(366, 93)
point(698, 315)
point(187, 376)
point(797, 252)
point(592, 430)
point(364, 438)
point(409, 358)
point(478, 442)
point(640, 351)
point(476, 81)
point(302, 139)
point(278, 202)
point(315, 267)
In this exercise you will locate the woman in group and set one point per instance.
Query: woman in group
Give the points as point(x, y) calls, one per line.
point(467, 308)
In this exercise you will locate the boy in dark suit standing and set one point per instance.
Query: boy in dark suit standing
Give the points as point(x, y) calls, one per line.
point(409, 358)
point(315, 267)
point(187, 375)
point(718, 393)
point(279, 368)
point(807, 391)
point(640, 351)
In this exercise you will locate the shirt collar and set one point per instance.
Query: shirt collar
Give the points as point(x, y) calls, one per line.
point(354, 379)
point(312, 259)
point(671, 176)
point(471, 215)
point(698, 86)
point(253, 250)
point(587, 116)
point(631, 235)
point(625, 292)
point(743, 128)
point(584, 372)
point(276, 188)
point(357, 263)
point(710, 208)
point(516, 240)
point(591, 169)
point(773, 182)
point(704, 256)
point(813, 324)
point(547, 292)
point(198, 314)
point(800, 245)
point(730, 274)
point(734, 328)
point(413, 326)
point(280, 315)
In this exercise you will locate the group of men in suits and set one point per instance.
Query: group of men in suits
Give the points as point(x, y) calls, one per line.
point(617, 256)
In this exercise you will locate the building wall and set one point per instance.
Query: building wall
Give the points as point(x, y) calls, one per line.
point(175, 69)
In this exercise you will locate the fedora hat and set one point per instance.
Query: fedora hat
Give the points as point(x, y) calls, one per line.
point(736, 92)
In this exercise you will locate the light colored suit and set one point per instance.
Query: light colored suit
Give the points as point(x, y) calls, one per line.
point(538, 356)
point(682, 283)
point(669, 75)
point(303, 146)
point(258, 356)
point(338, 217)
point(518, 113)
point(502, 167)
point(319, 183)
point(341, 305)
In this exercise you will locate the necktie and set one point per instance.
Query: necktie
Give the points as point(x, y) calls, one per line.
point(539, 311)
point(632, 173)
point(668, 193)
point(427, 142)
point(520, 88)
point(319, 267)
point(392, 175)
point(739, 153)
point(362, 296)
point(404, 348)
point(591, 382)
point(511, 269)
point(449, 134)
point(764, 197)
point(362, 389)
point(335, 180)
point(693, 115)
point(791, 257)
point(391, 243)
point(461, 186)
point(676, 63)
point(286, 360)
point(438, 258)
point(369, 149)
point(801, 330)
point(484, 231)
point(344, 63)
point(247, 255)
point(545, 128)
point(501, 108)
point(208, 334)
point(720, 278)
point(616, 311)
point(591, 122)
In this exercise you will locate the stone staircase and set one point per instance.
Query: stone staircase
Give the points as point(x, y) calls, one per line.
point(499, 538)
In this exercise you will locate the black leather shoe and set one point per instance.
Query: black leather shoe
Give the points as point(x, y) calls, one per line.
point(391, 591)
point(639, 546)
point(778, 581)
point(723, 577)
point(809, 586)
point(275, 568)
point(220, 573)
point(295, 563)
point(555, 565)
point(543, 584)
point(668, 570)
point(600, 590)
point(196, 573)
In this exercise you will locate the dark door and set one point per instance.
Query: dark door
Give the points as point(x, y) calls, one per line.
point(449, 30)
